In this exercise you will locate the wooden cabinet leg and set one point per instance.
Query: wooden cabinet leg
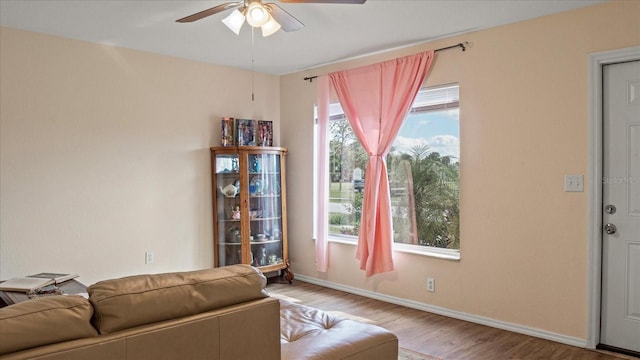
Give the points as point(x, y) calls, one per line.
point(287, 273)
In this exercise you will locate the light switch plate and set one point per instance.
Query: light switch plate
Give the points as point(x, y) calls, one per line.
point(573, 183)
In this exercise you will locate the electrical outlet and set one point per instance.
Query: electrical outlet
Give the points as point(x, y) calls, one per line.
point(148, 257)
point(431, 285)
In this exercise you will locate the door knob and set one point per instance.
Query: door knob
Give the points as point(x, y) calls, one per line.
point(610, 228)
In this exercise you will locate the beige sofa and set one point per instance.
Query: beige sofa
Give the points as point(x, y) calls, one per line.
point(223, 313)
point(217, 314)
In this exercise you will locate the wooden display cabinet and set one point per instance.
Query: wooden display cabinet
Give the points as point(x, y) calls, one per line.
point(249, 207)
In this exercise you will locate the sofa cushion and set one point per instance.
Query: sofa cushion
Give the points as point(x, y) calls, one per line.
point(143, 299)
point(44, 321)
point(309, 333)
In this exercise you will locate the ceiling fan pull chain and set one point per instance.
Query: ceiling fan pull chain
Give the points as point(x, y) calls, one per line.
point(253, 40)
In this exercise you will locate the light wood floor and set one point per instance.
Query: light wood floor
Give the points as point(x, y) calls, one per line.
point(432, 334)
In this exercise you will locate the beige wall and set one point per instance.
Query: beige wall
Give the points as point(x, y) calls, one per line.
point(524, 125)
point(105, 154)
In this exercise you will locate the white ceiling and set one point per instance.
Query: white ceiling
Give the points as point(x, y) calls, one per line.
point(333, 32)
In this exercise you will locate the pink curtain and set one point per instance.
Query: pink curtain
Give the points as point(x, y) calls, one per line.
point(376, 99)
point(322, 176)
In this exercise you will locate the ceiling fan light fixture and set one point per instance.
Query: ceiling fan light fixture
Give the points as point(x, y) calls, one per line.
point(270, 27)
point(234, 21)
point(257, 15)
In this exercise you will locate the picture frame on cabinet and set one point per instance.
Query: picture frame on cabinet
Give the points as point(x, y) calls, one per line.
point(228, 130)
point(245, 132)
point(265, 133)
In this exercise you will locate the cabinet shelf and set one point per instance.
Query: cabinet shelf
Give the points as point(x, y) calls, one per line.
point(265, 218)
point(252, 242)
point(265, 242)
point(264, 173)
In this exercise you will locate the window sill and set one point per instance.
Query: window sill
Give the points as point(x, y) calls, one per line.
point(447, 254)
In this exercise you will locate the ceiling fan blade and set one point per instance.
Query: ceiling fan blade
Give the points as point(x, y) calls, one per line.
point(209, 12)
point(325, 1)
point(286, 20)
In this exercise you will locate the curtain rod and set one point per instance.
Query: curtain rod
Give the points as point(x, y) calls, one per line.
point(458, 45)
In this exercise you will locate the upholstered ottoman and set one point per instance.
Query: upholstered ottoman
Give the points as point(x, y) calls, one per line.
point(308, 333)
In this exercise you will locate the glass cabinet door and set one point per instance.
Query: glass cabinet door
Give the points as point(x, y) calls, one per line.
point(228, 209)
point(265, 209)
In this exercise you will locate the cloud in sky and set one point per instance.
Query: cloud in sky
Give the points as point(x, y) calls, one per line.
point(445, 145)
point(439, 130)
point(453, 114)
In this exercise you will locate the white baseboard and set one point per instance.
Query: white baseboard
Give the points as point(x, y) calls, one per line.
point(543, 334)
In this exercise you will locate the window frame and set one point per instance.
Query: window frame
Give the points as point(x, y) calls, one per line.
point(429, 251)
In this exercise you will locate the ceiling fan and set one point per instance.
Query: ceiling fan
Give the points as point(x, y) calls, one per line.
point(269, 17)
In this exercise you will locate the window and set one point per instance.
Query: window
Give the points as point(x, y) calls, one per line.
point(423, 168)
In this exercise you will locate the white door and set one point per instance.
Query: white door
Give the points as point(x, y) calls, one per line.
point(620, 320)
